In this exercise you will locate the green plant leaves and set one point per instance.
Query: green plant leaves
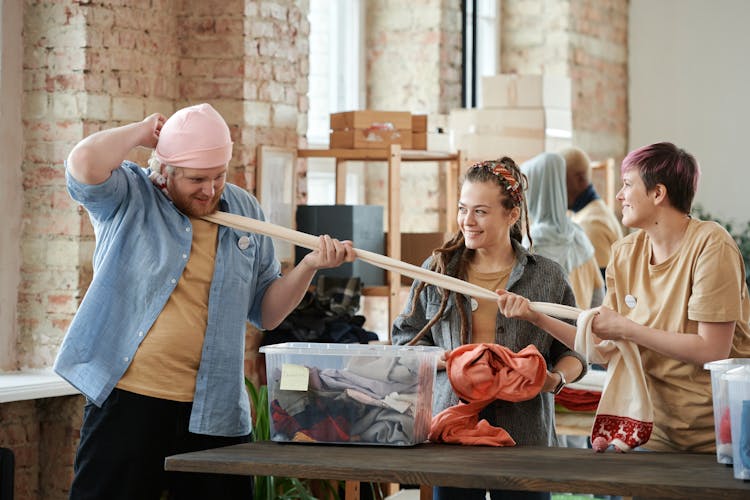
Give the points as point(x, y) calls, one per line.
point(276, 487)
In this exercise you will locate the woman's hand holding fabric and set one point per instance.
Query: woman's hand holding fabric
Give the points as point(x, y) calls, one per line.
point(442, 360)
point(608, 325)
point(512, 305)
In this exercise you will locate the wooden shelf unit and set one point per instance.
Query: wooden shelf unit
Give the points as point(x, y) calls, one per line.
point(394, 156)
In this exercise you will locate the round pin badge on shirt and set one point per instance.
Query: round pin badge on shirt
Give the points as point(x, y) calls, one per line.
point(630, 301)
point(474, 304)
point(243, 242)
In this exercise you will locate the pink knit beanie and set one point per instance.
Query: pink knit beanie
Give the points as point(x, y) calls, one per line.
point(195, 137)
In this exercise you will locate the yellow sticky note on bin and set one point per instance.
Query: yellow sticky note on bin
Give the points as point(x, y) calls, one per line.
point(294, 377)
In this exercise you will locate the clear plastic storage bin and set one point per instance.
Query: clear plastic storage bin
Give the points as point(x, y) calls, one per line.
point(350, 393)
point(722, 422)
point(738, 388)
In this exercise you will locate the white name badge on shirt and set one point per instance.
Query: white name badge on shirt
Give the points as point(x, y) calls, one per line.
point(630, 301)
point(294, 377)
point(243, 242)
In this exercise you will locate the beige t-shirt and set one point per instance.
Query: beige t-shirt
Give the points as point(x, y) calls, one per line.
point(586, 280)
point(703, 281)
point(602, 228)
point(166, 363)
point(484, 318)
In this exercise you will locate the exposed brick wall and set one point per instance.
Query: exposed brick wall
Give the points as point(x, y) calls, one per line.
point(585, 40)
point(59, 431)
point(413, 55)
point(53, 63)
point(598, 59)
point(276, 69)
point(89, 66)
point(92, 66)
point(42, 434)
point(19, 431)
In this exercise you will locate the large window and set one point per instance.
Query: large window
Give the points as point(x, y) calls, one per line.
point(336, 84)
point(481, 53)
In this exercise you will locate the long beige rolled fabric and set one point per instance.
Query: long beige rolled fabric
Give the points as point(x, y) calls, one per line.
point(305, 240)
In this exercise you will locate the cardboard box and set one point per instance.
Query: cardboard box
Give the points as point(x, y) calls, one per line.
point(437, 122)
point(368, 129)
point(440, 141)
point(416, 247)
point(431, 141)
point(418, 140)
point(481, 147)
point(369, 139)
point(512, 122)
point(526, 91)
point(368, 118)
point(419, 123)
point(348, 394)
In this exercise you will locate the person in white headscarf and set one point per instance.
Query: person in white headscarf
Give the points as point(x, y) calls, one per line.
point(555, 235)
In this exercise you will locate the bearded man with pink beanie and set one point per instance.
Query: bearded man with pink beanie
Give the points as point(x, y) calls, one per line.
point(157, 344)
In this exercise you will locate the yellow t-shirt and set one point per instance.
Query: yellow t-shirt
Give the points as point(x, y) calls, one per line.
point(484, 318)
point(703, 281)
point(166, 363)
point(585, 280)
point(602, 228)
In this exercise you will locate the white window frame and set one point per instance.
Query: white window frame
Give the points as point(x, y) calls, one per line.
point(487, 47)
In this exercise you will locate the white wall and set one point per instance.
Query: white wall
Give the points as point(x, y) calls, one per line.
point(690, 84)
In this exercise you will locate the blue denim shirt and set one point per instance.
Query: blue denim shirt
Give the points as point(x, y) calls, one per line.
point(142, 246)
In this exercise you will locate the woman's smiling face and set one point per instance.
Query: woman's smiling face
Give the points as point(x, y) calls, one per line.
point(482, 219)
point(637, 207)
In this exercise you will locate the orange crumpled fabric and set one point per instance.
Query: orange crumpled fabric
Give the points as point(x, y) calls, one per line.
point(480, 374)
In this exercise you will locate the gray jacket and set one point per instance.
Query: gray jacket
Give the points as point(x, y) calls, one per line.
point(534, 277)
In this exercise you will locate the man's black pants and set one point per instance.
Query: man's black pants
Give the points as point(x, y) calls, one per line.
point(123, 446)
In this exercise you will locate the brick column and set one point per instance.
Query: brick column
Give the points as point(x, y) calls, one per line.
point(51, 267)
point(276, 69)
point(413, 55)
point(585, 40)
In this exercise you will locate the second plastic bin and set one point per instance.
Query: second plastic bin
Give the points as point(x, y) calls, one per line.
point(738, 388)
point(722, 422)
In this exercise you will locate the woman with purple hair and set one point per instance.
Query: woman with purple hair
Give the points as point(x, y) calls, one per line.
point(675, 287)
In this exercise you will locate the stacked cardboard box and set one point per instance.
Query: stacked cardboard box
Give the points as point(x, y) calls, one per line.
point(522, 116)
point(369, 129)
point(430, 132)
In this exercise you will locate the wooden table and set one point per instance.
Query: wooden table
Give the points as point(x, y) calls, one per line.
point(648, 474)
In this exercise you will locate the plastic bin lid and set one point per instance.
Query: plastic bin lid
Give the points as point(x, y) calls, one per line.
point(726, 364)
point(316, 349)
point(741, 373)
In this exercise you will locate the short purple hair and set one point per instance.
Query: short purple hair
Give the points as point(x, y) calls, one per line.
point(665, 163)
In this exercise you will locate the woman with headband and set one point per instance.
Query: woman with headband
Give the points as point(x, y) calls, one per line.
point(487, 251)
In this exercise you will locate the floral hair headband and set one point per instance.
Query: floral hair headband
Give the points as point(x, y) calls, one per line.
point(510, 183)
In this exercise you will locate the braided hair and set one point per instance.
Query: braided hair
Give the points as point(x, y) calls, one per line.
point(512, 183)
